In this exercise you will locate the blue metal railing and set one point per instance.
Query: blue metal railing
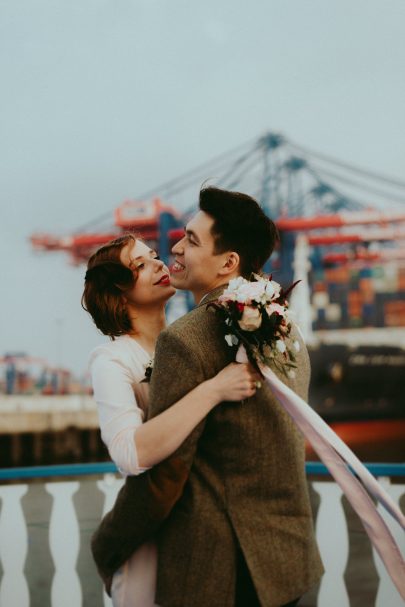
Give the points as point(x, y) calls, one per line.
point(59, 470)
point(377, 469)
point(391, 470)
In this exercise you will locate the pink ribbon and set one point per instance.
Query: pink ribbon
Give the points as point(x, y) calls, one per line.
point(337, 456)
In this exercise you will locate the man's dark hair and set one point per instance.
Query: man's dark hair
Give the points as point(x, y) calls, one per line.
point(240, 225)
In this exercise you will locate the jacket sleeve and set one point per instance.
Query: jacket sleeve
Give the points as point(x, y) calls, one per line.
point(145, 501)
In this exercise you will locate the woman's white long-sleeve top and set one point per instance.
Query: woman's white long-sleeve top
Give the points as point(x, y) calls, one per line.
point(117, 369)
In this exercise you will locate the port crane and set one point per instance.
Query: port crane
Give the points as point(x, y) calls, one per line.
point(303, 191)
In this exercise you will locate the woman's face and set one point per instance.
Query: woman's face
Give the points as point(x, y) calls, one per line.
point(153, 279)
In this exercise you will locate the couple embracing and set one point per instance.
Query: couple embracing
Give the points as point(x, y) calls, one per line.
point(215, 510)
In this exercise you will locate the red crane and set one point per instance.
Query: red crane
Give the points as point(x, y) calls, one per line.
point(139, 216)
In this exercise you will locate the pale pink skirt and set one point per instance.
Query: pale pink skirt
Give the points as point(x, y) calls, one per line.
point(134, 584)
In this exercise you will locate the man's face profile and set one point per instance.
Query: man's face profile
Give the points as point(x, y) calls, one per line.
point(196, 265)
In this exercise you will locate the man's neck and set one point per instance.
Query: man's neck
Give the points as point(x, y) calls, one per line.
point(200, 294)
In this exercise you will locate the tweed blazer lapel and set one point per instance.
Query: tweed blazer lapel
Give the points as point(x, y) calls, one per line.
point(212, 295)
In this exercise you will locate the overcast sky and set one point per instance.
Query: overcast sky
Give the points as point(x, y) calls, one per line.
point(103, 99)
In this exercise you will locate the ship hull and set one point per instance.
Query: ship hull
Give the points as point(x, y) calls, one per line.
point(358, 388)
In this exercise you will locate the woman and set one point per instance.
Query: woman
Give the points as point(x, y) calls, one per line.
point(126, 289)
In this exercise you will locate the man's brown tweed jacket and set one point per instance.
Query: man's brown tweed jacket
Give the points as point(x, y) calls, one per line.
point(237, 481)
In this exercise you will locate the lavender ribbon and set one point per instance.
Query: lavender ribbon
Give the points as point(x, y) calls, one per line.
point(337, 457)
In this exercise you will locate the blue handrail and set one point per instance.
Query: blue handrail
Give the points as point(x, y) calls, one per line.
point(312, 468)
point(378, 469)
point(59, 470)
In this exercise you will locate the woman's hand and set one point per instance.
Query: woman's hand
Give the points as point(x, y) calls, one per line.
point(236, 382)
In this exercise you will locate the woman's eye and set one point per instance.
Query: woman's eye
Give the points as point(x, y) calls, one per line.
point(140, 266)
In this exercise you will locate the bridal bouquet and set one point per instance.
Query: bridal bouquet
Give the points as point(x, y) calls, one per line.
point(256, 316)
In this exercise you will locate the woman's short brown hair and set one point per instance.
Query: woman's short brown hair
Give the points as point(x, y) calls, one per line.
point(105, 281)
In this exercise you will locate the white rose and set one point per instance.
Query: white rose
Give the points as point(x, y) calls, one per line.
point(227, 295)
point(231, 340)
point(269, 289)
point(272, 289)
point(281, 347)
point(257, 290)
point(235, 283)
point(250, 291)
point(242, 296)
point(231, 292)
point(275, 307)
point(251, 319)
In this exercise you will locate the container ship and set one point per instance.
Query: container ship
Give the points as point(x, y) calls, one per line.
point(357, 352)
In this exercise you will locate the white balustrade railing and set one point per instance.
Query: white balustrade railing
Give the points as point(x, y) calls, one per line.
point(13, 547)
point(385, 595)
point(331, 533)
point(110, 485)
point(70, 578)
point(64, 541)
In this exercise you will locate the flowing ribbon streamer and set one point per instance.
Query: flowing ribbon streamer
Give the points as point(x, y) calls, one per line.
point(337, 456)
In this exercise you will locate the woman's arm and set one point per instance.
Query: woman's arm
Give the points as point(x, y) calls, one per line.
point(118, 411)
point(160, 436)
point(135, 446)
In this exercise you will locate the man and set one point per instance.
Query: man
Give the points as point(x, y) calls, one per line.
point(237, 527)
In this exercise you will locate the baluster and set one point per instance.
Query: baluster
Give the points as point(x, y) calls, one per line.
point(333, 542)
point(13, 547)
point(387, 593)
point(110, 485)
point(64, 541)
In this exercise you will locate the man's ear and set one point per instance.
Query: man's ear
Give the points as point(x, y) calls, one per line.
point(231, 264)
